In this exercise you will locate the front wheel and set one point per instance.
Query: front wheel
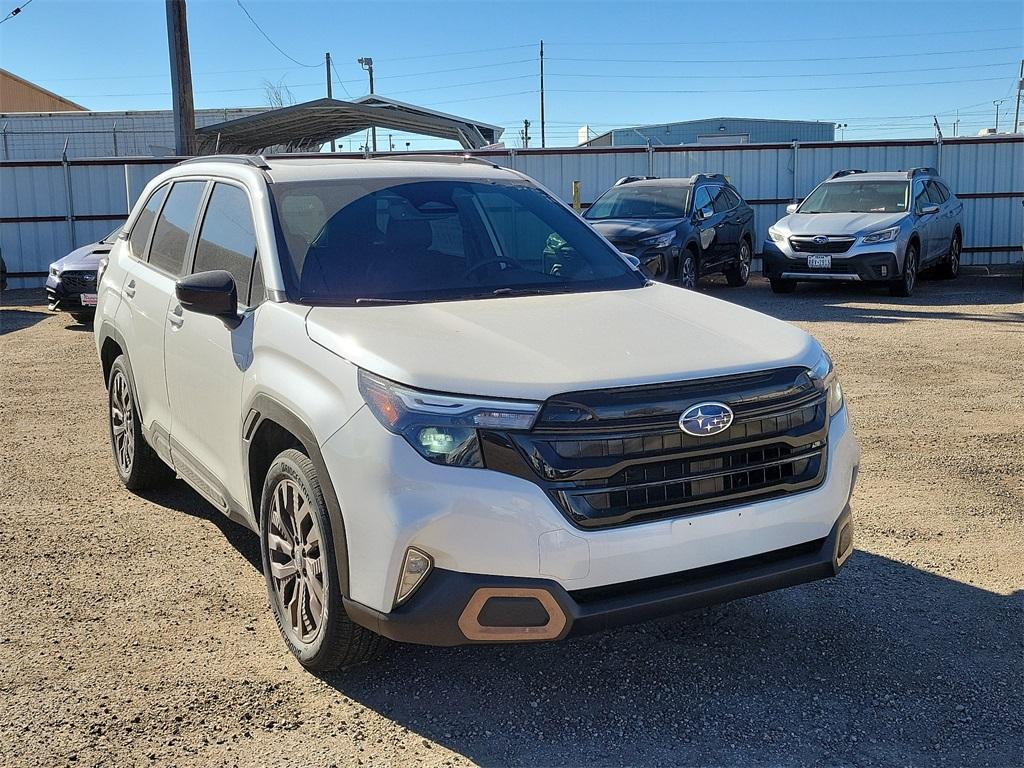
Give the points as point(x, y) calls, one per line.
point(950, 268)
point(301, 569)
point(738, 275)
point(782, 286)
point(905, 286)
point(688, 271)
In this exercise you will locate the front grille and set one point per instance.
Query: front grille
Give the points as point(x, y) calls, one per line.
point(833, 245)
point(78, 281)
point(614, 457)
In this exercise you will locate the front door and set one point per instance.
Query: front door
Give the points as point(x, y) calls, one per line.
point(707, 224)
point(207, 359)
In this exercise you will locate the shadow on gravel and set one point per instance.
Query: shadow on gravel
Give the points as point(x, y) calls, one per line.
point(842, 302)
point(18, 309)
point(886, 664)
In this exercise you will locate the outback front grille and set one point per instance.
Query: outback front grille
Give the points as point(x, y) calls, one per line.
point(615, 457)
point(832, 245)
point(78, 281)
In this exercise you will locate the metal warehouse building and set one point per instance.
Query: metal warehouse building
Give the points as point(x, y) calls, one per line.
point(716, 130)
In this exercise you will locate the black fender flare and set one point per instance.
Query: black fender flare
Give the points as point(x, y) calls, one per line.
point(265, 408)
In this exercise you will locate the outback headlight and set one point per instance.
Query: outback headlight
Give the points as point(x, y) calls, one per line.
point(660, 241)
point(54, 270)
point(881, 236)
point(441, 427)
point(823, 374)
point(776, 235)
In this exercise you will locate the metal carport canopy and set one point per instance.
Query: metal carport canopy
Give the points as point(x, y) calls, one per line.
point(307, 126)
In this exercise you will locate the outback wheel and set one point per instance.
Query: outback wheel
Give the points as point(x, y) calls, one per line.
point(688, 271)
point(138, 466)
point(905, 286)
point(738, 275)
point(950, 268)
point(301, 569)
point(782, 286)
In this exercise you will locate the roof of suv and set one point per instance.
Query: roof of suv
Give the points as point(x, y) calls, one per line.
point(907, 175)
point(307, 168)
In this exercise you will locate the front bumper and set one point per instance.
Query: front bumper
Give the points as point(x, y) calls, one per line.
point(454, 608)
point(486, 526)
point(60, 297)
point(857, 264)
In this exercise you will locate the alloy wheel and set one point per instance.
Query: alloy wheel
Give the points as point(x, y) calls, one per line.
point(910, 271)
point(688, 273)
point(122, 422)
point(954, 256)
point(744, 261)
point(296, 554)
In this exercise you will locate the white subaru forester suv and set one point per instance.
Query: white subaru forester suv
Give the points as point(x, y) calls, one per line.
point(453, 412)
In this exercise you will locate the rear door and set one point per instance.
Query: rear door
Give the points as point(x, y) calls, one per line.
point(939, 196)
point(207, 360)
point(706, 226)
point(157, 263)
point(927, 223)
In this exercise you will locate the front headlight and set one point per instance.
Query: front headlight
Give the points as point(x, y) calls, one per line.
point(776, 235)
point(823, 374)
point(54, 270)
point(442, 428)
point(882, 236)
point(660, 241)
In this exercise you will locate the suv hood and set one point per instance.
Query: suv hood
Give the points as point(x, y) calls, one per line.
point(86, 257)
point(533, 347)
point(838, 223)
point(631, 229)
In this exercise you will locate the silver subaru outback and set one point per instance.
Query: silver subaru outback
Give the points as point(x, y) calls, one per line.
point(881, 228)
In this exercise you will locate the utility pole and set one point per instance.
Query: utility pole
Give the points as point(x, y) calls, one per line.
point(1020, 87)
point(367, 63)
point(998, 103)
point(181, 78)
point(330, 92)
point(543, 142)
point(956, 125)
point(525, 134)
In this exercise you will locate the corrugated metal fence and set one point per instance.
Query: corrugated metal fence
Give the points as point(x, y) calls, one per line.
point(49, 207)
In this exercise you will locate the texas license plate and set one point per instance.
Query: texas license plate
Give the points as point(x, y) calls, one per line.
point(88, 299)
point(819, 262)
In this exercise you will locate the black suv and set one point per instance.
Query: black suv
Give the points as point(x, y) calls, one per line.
point(679, 229)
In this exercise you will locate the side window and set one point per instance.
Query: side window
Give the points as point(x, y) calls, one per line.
point(721, 201)
point(175, 225)
point(144, 224)
point(945, 189)
point(920, 196)
point(227, 238)
point(732, 197)
point(701, 199)
point(935, 193)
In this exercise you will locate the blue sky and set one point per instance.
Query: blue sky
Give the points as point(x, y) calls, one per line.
point(607, 64)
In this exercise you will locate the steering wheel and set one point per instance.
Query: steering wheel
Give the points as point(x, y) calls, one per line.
point(486, 263)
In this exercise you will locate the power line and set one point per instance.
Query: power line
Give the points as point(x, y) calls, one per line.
point(775, 40)
point(463, 85)
point(774, 59)
point(279, 49)
point(340, 81)
point(782, 90)
point(16, 11)
point(460, 53)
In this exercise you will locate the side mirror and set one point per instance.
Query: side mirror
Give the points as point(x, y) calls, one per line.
point(926, 209)
point(210, 293)
point(634, 262)
point(705, 213)
point(791, 208)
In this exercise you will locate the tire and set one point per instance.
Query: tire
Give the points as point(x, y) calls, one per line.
point(908, 281)
point(688, 275)
point(737, 276)
point(303, 589)
point(782, 286)
point(138, 467)
point(82, 318)
point(950, 267)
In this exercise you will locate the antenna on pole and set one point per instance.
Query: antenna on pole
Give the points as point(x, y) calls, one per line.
point(543, 141)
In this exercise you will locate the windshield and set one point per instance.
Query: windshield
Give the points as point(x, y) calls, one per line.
point(378, 241)
point(111, 237)
point(630, 202)
point(857, 197)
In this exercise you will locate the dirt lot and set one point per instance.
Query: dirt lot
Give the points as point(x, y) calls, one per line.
point(136, 631)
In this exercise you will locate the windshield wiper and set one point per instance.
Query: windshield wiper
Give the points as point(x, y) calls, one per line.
point(523, 292)
point(374, 300)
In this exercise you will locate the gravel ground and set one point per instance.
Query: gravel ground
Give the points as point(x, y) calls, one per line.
point(136, 631)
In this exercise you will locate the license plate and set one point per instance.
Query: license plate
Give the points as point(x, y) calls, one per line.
point(88, 299)
point(819, 262)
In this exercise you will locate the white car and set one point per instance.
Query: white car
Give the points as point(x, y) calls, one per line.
point(453, 412)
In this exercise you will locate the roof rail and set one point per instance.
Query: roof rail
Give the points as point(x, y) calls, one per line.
point(631, 179)
point(440, 159)
point(257, 161)
point(912, 172)
point(845, 172)
point(721, 178)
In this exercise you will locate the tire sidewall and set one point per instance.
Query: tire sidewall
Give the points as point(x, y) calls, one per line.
point(688, 256)
point(295, 466)
point(910, 269)
point(955, 248)
point(121, 366)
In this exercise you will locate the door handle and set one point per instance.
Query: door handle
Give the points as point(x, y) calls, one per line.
point(129, 290)
point(176, 317)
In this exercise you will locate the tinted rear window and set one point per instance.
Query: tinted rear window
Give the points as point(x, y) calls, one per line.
point(174, 228)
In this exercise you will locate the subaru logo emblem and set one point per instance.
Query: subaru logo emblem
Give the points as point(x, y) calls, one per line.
point(820, 240)
point(705, 419)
